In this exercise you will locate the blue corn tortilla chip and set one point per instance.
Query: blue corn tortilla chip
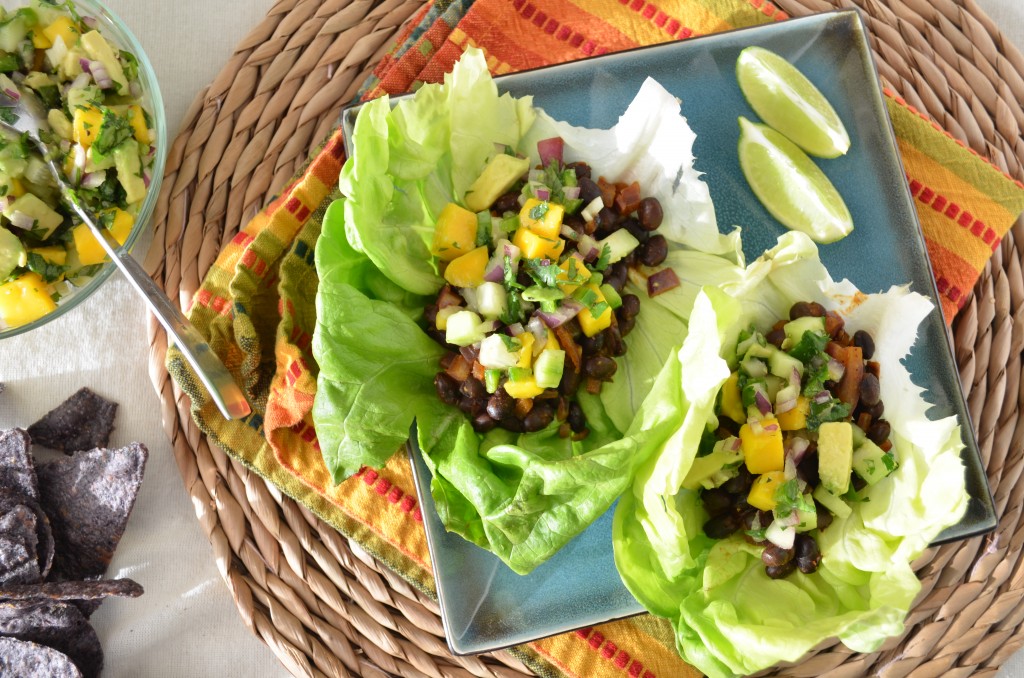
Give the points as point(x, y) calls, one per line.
point(16, 463)
point(56, 625)
point(26, 542)
point(88, 497)
point(82, 422)
point(22, 658)
point(96, 589)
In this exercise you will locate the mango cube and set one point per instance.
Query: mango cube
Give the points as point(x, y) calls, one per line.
point(526, 388)
point(796, 418)
point(24, 299)
point(87, 124)
point(575, 270)
point(467, 270)
point(762, 446)
point(40, 41)
point(454, 233)
point(762, 492)
point(526, 352)
point(65, 29)
point(542, 217)
point(591, 325)
point(121, 226)
point(138, 120)
point(89, 251)
point(535, 246)
point(732, 401)
point(52, 254)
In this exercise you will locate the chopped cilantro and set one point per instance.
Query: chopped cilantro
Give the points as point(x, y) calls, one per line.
point(758, 535)
point(539, 210)
point(603, 260)
point(809, 346)
point(8, 116)
point(544, 274)
point(9, 63)
point(50, 94)
point(511, 343)
point(789, 498)
point(830, 410)
point(114, 130)
point(130, 65)
point(597, 309)
point(48, 271)
point(815, 376)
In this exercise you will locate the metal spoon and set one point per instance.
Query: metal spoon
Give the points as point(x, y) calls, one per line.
point(26, 114)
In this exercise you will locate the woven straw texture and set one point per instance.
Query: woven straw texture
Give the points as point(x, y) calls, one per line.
point(324, 606)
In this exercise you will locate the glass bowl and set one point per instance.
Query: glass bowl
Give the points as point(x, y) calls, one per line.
point(115, 30)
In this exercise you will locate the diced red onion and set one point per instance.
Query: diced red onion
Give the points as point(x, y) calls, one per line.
point(538, 330)
point(550, 149)
point(785, 405)
point(736, 444)
point(146, 180)
point(755, 426)
point(94, 179)
point(822, 397)
point(781, 535)
point(571, 192)
point(515, 329)
point(65, 145)
point(13, 93)
point(794, 378)
point(542, 193)
point(835, 369)
point(495, 270)
point(469, 353)
point(796, 448)
point(5, 202)
point(448, 297)
point(513, 252)
point(82, 80)
point(661, 282)
point(588, 247)
point(85, 64)
point(567, 310)
point(789, 469)
point(764, 406)
point(589, 212)
point(771, 428)
point(90, 21)
point(21, 220)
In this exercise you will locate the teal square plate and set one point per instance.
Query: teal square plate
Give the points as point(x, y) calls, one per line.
point(484, 605)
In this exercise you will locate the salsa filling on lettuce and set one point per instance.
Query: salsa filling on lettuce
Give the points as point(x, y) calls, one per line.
point(731, 617)
point(521, 495)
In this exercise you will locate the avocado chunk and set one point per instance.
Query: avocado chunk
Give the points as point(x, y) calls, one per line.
point(795, 329)
point(835, 455)
point(46, 220)
point(714, 469)
point(497, 178)
point(838, 507)
point(12, 253)
point(872, 463)
point(781, 364)
point(129, 170)
point(99, 49)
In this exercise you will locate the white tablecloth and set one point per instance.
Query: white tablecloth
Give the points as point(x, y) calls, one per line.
point(186, 623)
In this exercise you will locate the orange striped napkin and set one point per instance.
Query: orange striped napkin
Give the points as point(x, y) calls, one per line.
point(261, 289)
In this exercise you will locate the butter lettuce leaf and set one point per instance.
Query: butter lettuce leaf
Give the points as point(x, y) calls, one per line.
point(525, 496)
point(730, 618)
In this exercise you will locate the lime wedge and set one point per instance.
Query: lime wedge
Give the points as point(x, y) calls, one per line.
point(790, 186)
point(790, 103)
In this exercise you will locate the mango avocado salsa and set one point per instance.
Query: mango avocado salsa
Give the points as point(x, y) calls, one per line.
point(101, 136)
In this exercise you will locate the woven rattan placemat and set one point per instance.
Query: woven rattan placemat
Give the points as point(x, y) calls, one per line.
point(327, 608)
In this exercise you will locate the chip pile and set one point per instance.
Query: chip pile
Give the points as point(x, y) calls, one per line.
point(60, 522)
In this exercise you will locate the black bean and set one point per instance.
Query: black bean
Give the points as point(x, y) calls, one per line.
point(722, 526)
point(592, 344)
point(776, 337)
point(508, 202)
point(539, 417)
point(570, 382)
point(437, 335)
point(824, 516)
point(599, 367)
point(483, 423)
point(803, 309)
point(654, 251)
point(607, 220)
point(473, 406)
point(782, 571)
point(858, 483)
point(879, 431)
point(614, 345)
point(740, 484)
point(430, 315)
point(626, 325)
point(651, 214)
point(632, 224)
point(807, 469)
point(866, 343)
point(473, 388)
point(808, 555)
point(616, 275)
point(513, 424)
point(589, 190)
point(869, 390)
point(717, 501)
point(447, 388)
point(776, 556)
point(469, 353)
point(581, 169)
point(630, 305)
point(501, 404)
point(577, 420)
point(876, 411)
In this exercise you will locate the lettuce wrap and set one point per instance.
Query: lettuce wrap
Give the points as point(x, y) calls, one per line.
point(520, 496)
point(730, 617)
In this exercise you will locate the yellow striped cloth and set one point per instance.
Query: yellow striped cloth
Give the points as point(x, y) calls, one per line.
point(260, 292)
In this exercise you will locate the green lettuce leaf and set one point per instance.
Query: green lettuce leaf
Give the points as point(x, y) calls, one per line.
point(520, 496)
point(730, 618)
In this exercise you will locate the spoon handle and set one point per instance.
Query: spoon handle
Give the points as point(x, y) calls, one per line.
point(215, 377)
